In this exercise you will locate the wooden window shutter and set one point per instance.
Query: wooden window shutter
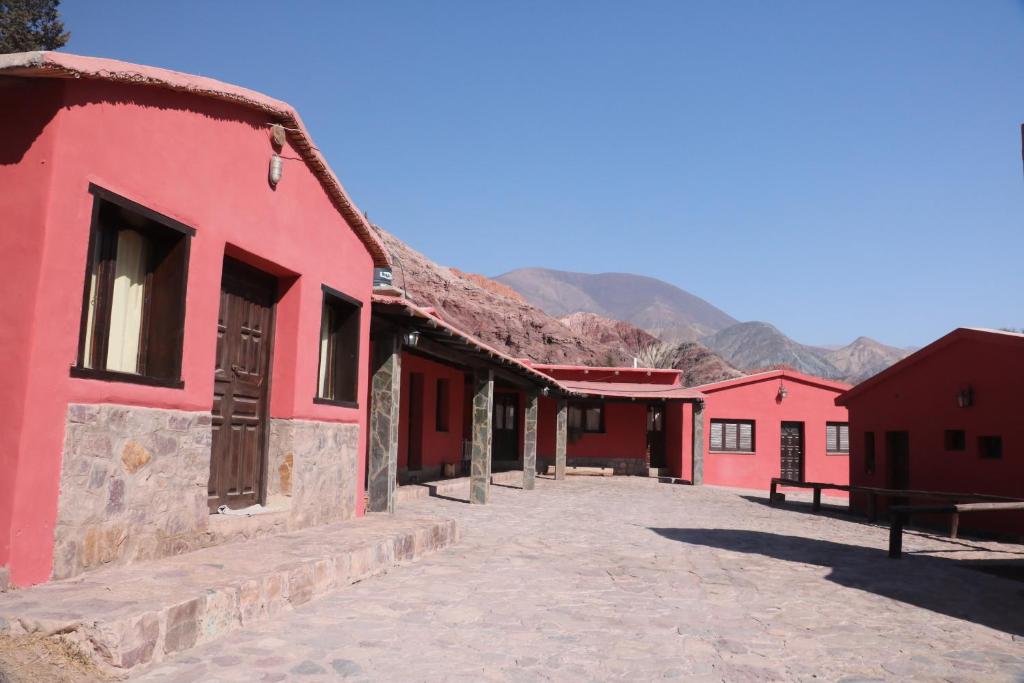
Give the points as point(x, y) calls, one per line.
point(746, 436)
point(716, 435)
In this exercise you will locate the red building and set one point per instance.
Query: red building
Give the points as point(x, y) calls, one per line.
point(158, 260)
point(780, 423)
point(629, 419)
point(949, 417)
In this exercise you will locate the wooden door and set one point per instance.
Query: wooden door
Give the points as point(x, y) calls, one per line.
point(414, 451)
point(505, 439)
point(656, 435)
point(897, 455)
point(240, 386)
point(792, 451)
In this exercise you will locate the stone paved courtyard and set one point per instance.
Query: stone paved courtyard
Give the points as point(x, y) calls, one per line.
point(629, 579)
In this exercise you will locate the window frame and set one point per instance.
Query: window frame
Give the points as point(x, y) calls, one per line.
point(730, 420)
point(583, 407)
point(949, 437)
point(995, 439)
point(331, 293)
point(838, 449)
point(78, 369)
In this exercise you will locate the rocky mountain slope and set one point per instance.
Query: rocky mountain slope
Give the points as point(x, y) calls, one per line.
point(658, 307)
point(699, 364)
point(497, 315)
point(754, 345)
point(507, 323)
point(863, 358)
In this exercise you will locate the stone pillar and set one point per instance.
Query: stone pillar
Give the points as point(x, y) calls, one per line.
point(697, 475)
point(530, 442)
point(480, 460)
point(561, 435)
point(385, 398)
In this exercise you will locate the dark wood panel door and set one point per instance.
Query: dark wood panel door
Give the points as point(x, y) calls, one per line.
point(792, 450)
point(897, 456)
point(240, 386)
point(505, 439)
point(656, 435)
point(414, 452)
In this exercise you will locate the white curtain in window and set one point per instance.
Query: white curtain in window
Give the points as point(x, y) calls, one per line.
point(127, 302)
point(90, 315)
point(325, 345)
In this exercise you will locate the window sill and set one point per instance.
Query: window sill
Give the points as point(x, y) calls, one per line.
point(126, 377)
point(333, 402)
point(732, 452)
point(837, 453)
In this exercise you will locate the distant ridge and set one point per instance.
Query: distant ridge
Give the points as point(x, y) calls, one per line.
point(660, 308)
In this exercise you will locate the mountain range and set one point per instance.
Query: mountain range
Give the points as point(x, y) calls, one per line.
point(675, 316)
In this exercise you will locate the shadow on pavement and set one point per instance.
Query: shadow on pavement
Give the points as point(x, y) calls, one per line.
point(932, 583)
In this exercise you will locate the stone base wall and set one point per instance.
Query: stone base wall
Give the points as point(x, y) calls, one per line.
point(133, 485)
point(315, 466)
point(621, 466)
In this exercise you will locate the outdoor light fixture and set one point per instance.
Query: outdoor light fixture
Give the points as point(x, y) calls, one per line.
point(783, 392)
point(545, 392)
point(275, 170)
point(412, 339)
point(965, 397)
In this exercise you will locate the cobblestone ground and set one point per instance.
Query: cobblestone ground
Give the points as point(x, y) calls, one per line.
point(629, 579)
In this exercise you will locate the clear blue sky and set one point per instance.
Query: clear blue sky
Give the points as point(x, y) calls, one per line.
point(836, 168)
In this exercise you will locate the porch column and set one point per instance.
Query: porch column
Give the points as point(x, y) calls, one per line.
point(561, 434)
point(385, 398)
point(530, 442)
point(697, 476)
point(480, 460)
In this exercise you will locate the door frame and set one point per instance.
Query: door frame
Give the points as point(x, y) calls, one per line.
point(264, 440)
point(414, 432)
point(513, 398)
point(661, 441)
point(803, 447)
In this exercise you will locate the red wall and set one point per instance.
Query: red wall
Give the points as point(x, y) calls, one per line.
point(199, 161)
point(811, 404)
point(625, 434)
point(438, 447)
point(921, 399)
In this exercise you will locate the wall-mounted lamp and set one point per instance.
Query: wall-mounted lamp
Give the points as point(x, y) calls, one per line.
point(411, 339)
point(275, 170)
point(545, 392)
point(965, 397)
point(783, 391)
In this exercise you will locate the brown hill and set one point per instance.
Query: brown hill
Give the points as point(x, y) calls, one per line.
point(701, 365)
point(608, 332)
point(507, 323)
point(863, 358)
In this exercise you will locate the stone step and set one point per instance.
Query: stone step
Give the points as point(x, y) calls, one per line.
point(451, 487)
point(580, 471)
point(127, 618)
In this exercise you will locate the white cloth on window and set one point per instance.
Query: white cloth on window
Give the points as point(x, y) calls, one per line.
point(325, 343)
point(127, 302)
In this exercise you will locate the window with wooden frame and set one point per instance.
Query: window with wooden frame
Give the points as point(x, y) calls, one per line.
point(837, 437)
point(338, 378)
point(133, 305)
point(441, 407)
point(587, 418)
point(869, 452)
point(990, 446)
point(955, 440)
point(732, 436)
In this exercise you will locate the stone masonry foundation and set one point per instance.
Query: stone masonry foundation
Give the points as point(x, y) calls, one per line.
point(134, 484)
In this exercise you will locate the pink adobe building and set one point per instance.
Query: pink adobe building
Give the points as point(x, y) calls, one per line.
point(156, 265)
point(780, 423)
point(949, 417)
point(629, 419)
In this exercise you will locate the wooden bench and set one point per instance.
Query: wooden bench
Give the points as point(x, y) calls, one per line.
point(901, 515)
